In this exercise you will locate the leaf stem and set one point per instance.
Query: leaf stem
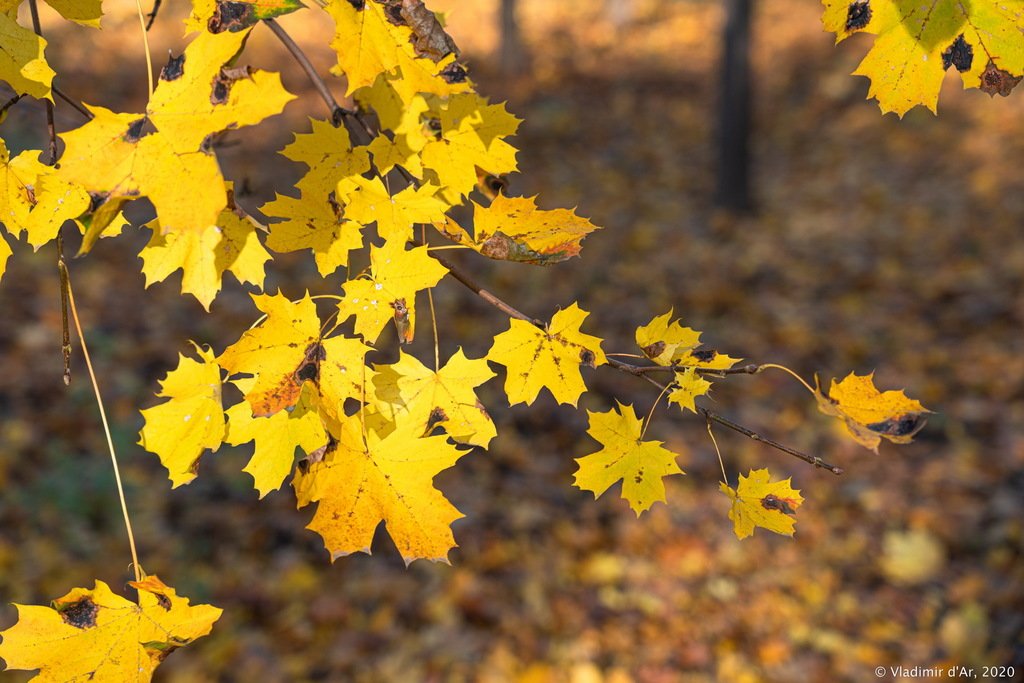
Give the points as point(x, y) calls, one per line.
point(137, 568)
point(145, 45)
point(50, 129)
point(650, 413)
point(790, 372)
point(721, 463)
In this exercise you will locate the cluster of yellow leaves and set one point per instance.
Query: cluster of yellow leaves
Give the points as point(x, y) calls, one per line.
point(97, 635)
point(919, 41)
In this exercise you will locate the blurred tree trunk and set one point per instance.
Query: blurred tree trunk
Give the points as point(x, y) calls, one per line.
point(512, 54)
point(732, 190)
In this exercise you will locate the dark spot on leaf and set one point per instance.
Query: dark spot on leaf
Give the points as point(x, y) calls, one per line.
point(232, 16)
point(494, 184)
point(163, 601)
point(959, 54)
point(454, 73)
point(638, 478)
point(704, 355)
point(497, 246)
point(80, 614)
point(654, 350)
point(901, 425)
point(773, 502)
point(358, 4)
point(587, 357)
point(219, 93)
point(309, 369)
point(134, 132)
point(393, 11)
point(858, 15)
point(318, 455)
point(402, 322)
point(996, 81)
point(174, 69)
point(437, 415)
point(206, 146)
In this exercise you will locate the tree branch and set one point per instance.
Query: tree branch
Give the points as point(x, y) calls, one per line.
point(77, 106)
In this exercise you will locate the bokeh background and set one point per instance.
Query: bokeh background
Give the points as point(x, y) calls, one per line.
point(879, 244)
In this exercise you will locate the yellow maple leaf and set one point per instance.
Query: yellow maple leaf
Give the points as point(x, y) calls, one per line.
point(191, 421)
point(367, 200)
point(276, 437)
point(97, 635)
point(472, 136)
point(514, 229)
point(396, 275)
point(232, 244)
point(688, 385)
point(410, 391)
point(918, 42)
point(34, 200)
point(343, 374)
point(84, 12)
point(870, 415)
point(217, 16)
point(549, 357)
point(364, 481)
point(667, 342)
point(313, 223)
point(119, 156)
point(329, 154)
point(759, 502)
point(282, 352)
point(366, 43)
point(388, 153)
point(640, 465)
point(22, 63)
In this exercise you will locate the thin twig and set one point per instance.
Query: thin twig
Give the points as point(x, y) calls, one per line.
point(10, 103)
point(152, 15)
point(50, 129)
point(139, 574)
point(337, 111)
point(65, 286)
point(77, 106)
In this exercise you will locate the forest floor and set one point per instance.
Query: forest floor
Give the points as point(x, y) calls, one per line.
point(885, 245)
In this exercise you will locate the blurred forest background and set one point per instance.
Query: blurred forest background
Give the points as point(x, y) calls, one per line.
point(878, 244)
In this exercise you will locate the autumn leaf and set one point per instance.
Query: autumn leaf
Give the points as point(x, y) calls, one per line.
point(410, 391)
point(389, 291)
point(870, 415)
point(918, 42)
point(640, 465)
point(328, 152)
point(276, 437)
point(232, 244)
point(514, 229)
point(364, 481)
point(34, 200)
point(217, 16)
point(367, 201)
point(667, 342)
point(282, 352)
point(84, 12)
point(759, 502)
point(191, 421)
point(549, 357)
point(22, 63)
point(97, 635)
point(313, 223)
point(687, 386)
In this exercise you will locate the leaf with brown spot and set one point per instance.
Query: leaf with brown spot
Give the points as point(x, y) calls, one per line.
point(870, 415)
point(759, 502)
point(97, 635)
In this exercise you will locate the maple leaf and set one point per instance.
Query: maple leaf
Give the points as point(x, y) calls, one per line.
point(217, 16)
point(286, 350)
point(117, 156)
point(549, 357)
point(396, 275)
point(97, 635)
point(329, 154)
point(22, 63)
point(231, 244)
point(84, 12)
point(919, 41)
point(410, 391)
point(362, 482)
point(276, 437)
point(640, 465)
point(688, 385)
point(514, 229)
point(35, 201)
point(666, 342)
point(759, 502)
point(191, 421)
point(870, 415)
point(388, 153)
point(313, 223)
point(282, 352)
point(472, 136)
point(367, 200)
